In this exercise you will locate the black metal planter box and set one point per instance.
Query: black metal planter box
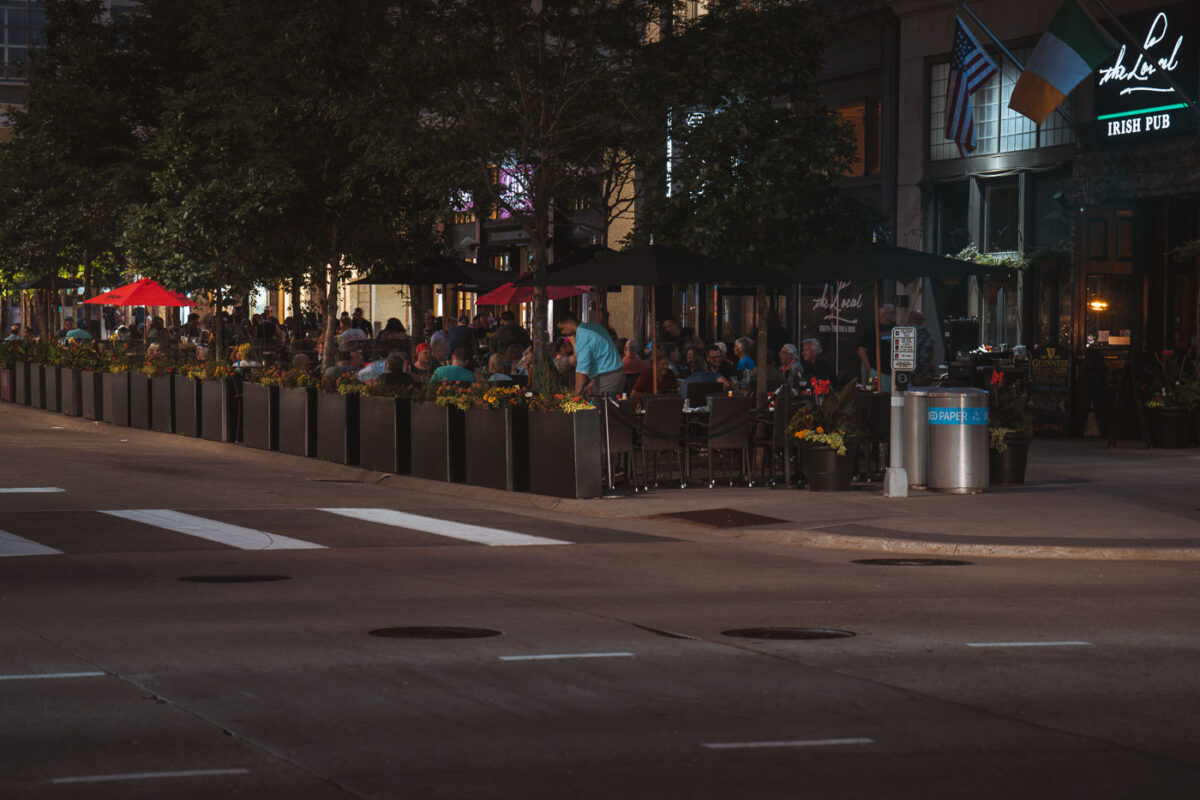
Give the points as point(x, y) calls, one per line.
point(337, 427)
point(187, 407)
point(8, 385)
point(116, 398)
point(162, 391)
point(385, 434)
point(141, 405)
point(565, 453)
point(439, 443)
point(21, 382)
point(52, 385)
point(72, 395)
point(298, 421)
point(91, 394)
point(498, 455)
point(37, 385)
point(260, 407)
point(220, 410)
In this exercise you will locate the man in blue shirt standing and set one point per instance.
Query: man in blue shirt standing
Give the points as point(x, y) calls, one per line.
point(598, 366)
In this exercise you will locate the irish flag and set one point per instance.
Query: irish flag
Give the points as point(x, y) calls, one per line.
point(1070, 51)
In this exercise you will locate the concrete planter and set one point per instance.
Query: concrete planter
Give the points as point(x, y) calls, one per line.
point(72, 392)
point(91, 394)
point(52, 385)
point(298, 421)
point(498, 448)
point(37, 385)
point(260, 405)
point(439, 443)
point(162, 393)
point(187, 407)
point(141, 403)
point(220, 410)
point(8, 385)
point(564, 453)
point(115, 401)
point(385, 434)
point(21, 382)
point(337, 427)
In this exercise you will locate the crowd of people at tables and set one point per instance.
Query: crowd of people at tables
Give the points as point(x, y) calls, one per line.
point(587, 357)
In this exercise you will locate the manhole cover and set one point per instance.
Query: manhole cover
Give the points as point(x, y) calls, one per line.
point(434, 632)
point(788, 633)
point(234, 578)
point(723, 518)
point(912, 562)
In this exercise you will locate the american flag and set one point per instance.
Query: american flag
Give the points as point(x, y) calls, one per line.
point(970, 66)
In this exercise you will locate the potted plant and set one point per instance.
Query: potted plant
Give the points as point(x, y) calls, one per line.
point(8, 374)
point(91, 365)
point(1010, 430)
point(337, 418)
point(564, 445)
point(220, 406)
point(53, 358)
point(159, 370)
point(298, 413)
point(1167, 397)
point(439, 444)
point(115, 395)
point(21, 355)
point(260, 408)
point(497, 434)
point(826, 428)
point(37, 375)
point(385, 428)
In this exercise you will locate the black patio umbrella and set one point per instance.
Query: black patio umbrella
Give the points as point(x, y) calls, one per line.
point(437, 269)
point(878, 261)
point(52, 283)
point(649, 265)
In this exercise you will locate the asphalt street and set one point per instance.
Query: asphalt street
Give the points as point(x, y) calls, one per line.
point(610, 673)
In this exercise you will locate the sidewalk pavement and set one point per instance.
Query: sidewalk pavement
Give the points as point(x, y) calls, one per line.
point(1080, 500)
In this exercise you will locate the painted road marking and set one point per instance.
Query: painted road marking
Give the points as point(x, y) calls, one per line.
point(49, 675)
point(13, 545)
point(492, 537)
point(220, 532)
point(147, 776)
point(1027, 644)
point(554, 656)
point(792, 743)
point(31, 490)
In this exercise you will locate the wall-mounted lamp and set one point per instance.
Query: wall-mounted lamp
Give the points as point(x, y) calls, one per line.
point(1098, 305)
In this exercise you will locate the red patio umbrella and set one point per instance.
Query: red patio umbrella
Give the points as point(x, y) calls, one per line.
point(510, 293)
point(146, 292)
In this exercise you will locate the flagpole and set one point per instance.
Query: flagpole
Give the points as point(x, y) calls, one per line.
point(1141, 51)
point(962, 5)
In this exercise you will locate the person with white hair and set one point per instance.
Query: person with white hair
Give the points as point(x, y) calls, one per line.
point(789, 364)
point(815, 364)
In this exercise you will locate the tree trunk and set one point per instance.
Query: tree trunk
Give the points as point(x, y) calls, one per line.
point(760, 358)
point(297, 318)
point(219, 326)
point(331, 300)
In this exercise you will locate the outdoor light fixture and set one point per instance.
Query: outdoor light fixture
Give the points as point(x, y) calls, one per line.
point(1098, 305)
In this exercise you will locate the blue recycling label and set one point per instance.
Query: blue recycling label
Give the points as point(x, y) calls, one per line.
point(958, 416)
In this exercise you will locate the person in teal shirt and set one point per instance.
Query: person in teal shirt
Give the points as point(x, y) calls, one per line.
point(78, 333)
point(454, 372)
point(598, 366)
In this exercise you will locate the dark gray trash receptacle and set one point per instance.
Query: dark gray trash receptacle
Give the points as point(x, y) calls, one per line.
point(958, 441)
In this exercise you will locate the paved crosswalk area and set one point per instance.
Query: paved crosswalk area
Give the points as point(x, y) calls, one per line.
point(162, 529)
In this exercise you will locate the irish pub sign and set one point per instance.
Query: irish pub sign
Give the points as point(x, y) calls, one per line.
point(1132, 97)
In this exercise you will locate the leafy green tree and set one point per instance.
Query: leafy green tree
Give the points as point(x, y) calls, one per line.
point(756, 153)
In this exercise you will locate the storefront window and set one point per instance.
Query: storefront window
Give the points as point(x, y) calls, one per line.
point(1109, 310)
point(864, 125)
point(953, 232)
point(1002, 218)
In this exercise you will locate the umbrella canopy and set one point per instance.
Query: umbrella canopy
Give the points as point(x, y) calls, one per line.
point(511, 293)
point(51, 282)
point(650, 265)
point(146, 292)
point(437, 269)
point(880, 261)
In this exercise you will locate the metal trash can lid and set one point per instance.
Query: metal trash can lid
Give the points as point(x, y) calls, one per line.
point(956, 392)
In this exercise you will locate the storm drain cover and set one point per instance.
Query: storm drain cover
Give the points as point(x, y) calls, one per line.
point(234, 578)
point(912, 562)
point(723, 518)
point(434, 632)
point(788, 633)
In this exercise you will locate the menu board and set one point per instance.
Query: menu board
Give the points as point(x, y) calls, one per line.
point(1050, 390)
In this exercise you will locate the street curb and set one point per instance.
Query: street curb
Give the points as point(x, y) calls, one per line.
point(832, 541)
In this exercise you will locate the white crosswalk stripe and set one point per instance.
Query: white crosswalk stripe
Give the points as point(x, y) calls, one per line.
point(492, 537)
point(213, 531)
point(13, 545)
